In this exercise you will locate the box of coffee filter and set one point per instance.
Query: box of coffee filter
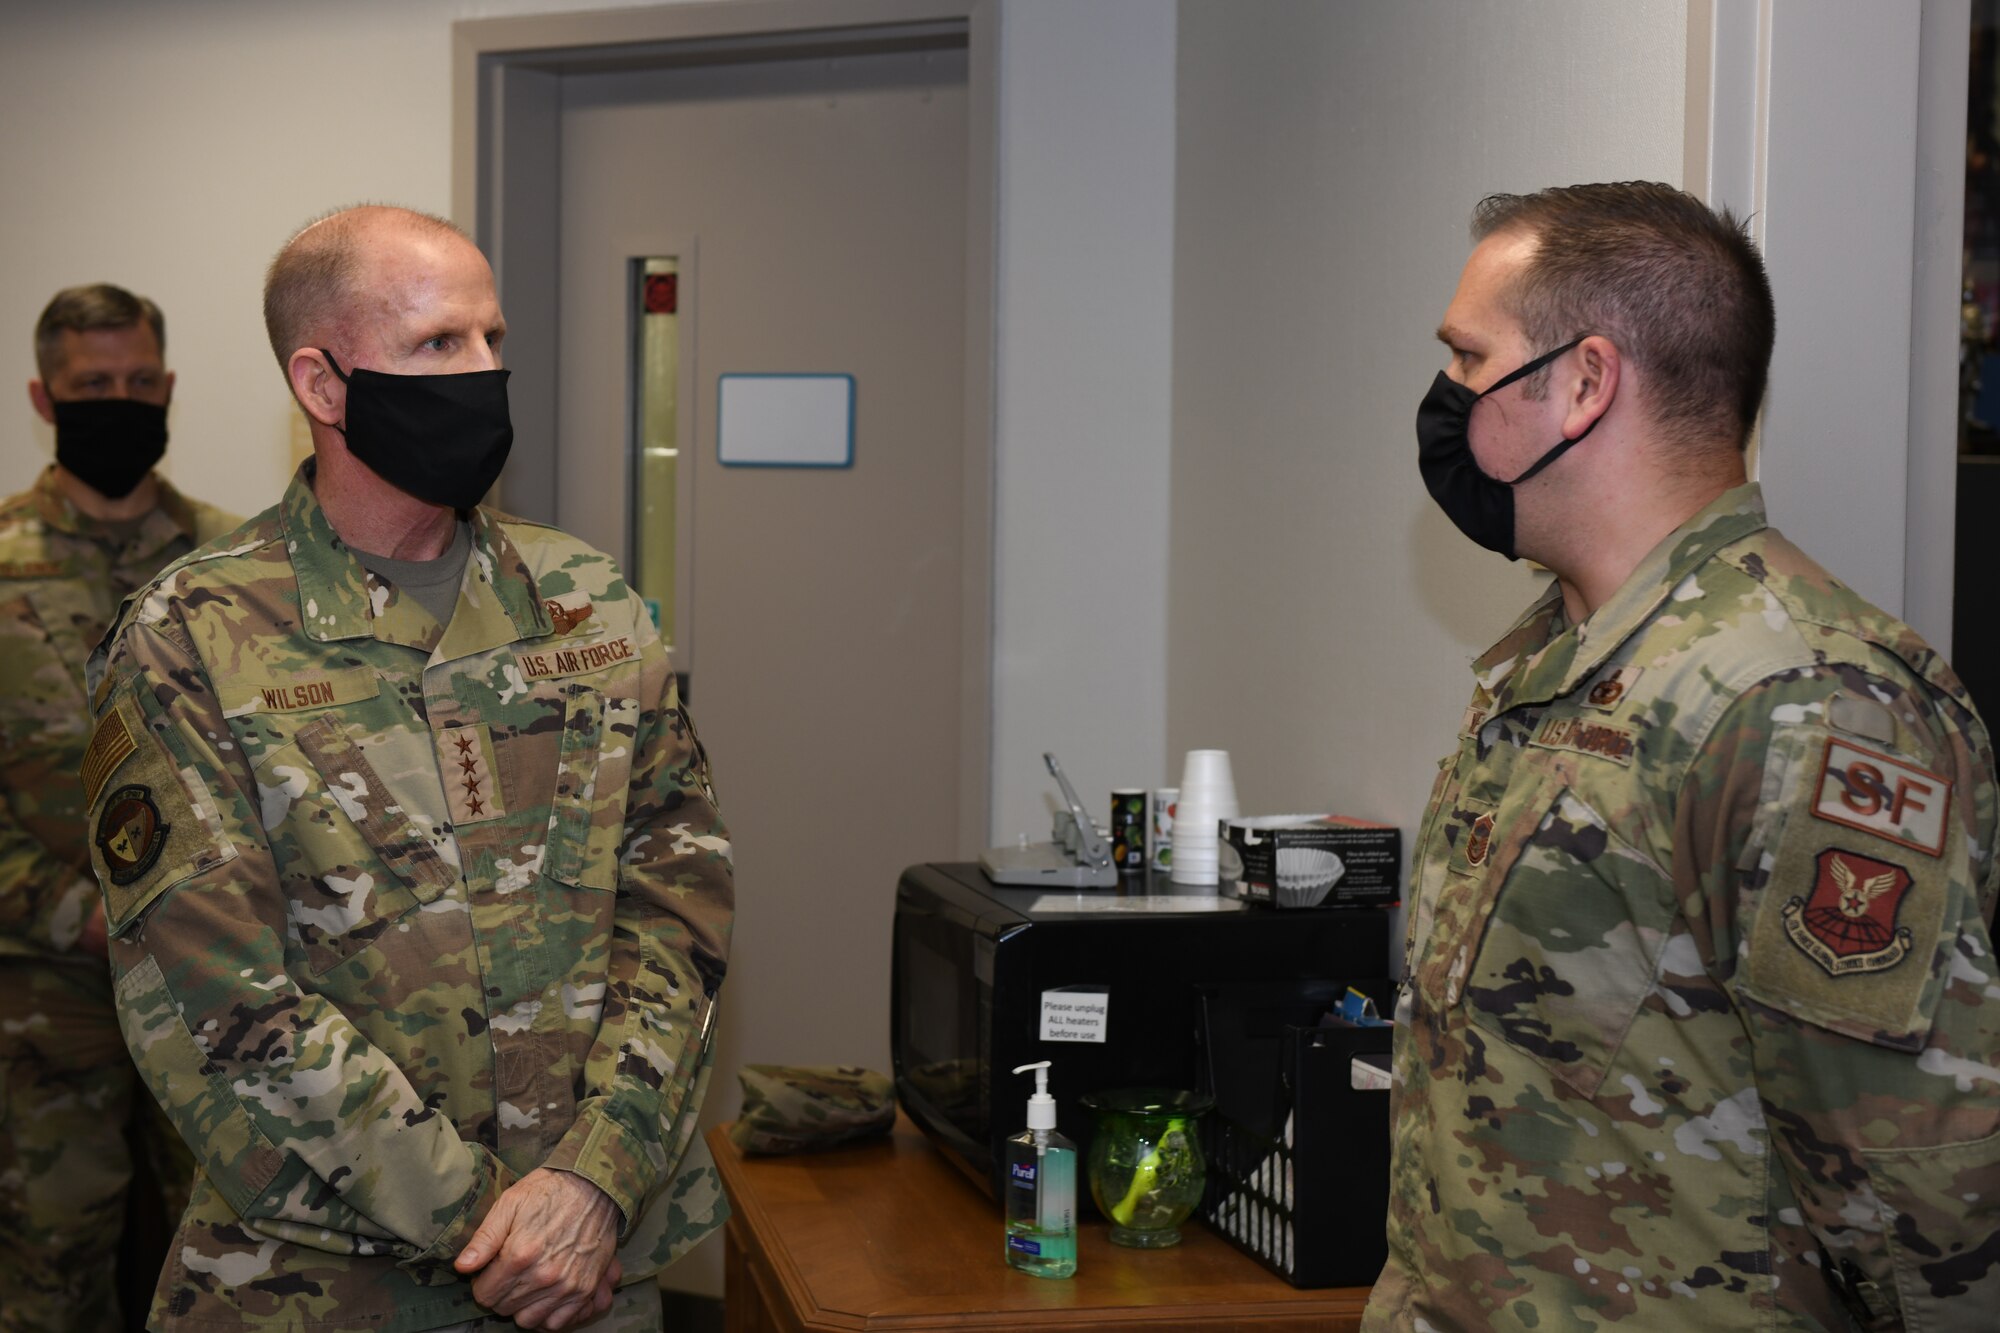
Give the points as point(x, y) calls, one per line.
point(1312, 861)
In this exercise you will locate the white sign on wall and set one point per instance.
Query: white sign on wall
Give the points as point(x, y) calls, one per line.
point(785, 420)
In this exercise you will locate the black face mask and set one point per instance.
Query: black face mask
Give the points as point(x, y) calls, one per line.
point(110, 444)
point(442, 438)
point(1481, 506)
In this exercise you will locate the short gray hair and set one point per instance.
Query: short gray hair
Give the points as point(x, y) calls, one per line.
point(309, 287)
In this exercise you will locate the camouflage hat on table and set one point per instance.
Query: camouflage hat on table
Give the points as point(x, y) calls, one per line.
point(801, 1108)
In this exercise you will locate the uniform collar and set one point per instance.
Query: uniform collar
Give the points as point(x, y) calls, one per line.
point(171, 519)
point(1544, 657)
point(339, 599)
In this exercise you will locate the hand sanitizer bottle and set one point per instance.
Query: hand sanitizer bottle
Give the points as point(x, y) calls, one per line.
point(1041, 1189)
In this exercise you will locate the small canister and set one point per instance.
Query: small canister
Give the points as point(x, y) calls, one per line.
point(1128, 829)
point(1160, 836)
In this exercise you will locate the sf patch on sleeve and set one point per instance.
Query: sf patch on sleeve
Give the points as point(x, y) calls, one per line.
point(1848, 931)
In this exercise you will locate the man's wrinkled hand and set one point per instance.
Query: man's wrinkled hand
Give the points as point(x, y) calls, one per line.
point(546, 1253)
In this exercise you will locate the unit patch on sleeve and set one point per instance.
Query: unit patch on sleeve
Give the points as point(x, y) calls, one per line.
point(1895, 801)
point(1599, 738)
point(1848, 923)
point(130, 835)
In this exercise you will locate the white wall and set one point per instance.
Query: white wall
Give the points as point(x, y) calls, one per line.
point(1085, 311)
point(1837, 129)
point(1322, 611)
point(1834, 447)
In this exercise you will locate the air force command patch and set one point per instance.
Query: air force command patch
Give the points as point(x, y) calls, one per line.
point(1876, 794)
point(129, 834)
point(1848, 923)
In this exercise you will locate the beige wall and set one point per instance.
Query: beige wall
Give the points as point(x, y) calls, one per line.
point(172, 148)
point(1085, 305)
point(1322, 612)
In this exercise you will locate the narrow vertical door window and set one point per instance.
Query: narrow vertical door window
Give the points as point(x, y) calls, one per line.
point(656, 434)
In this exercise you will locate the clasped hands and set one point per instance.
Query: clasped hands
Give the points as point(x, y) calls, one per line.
point(546, 1254)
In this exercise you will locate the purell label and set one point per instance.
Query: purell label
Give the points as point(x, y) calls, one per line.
point(1024, 1245)
point(1022, 1174)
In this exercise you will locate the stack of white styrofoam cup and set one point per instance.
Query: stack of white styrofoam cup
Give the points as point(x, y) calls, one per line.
point(1208, 797)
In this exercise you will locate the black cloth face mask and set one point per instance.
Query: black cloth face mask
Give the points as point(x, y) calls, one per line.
point(1481, 506)
point(442, 438)
point(110, 444)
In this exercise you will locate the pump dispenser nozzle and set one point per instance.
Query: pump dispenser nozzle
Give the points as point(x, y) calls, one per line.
point(1041, 1106)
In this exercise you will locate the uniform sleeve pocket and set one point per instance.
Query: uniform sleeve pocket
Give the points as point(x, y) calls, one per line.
point(1851, 899)
point(1942, 1214)
point(152, 824)
point(587, 811)
point(235, 1156)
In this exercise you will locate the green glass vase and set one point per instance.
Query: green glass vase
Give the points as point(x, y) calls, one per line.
point(1146, 1168)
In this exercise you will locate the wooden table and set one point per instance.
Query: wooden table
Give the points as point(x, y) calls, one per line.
point(888, 1235)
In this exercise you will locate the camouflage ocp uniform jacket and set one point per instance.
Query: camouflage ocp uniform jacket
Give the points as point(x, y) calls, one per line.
point(1701, 1021)
point(402, 911)
point(62, 575)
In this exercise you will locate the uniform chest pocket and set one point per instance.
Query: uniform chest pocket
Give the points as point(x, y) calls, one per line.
point(1479, 840)
point(593, 776)
point(351, 861)
point(44, 705)
point(1571, 944)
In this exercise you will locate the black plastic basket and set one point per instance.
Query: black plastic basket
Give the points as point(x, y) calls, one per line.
point(1309, 1204)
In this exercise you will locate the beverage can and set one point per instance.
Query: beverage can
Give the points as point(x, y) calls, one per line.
point(1128, 828)
point(1160, 834)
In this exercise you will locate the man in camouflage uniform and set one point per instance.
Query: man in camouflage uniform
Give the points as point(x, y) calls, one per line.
point(1699, 1027)
point(97, 524)
point(418, 903)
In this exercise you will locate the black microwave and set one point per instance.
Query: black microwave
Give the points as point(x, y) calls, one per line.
point(1100, 982)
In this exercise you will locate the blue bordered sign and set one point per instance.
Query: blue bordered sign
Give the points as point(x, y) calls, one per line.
point(785, 420)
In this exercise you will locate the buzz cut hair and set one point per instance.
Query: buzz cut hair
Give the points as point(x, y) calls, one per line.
point(309, 289)
point(96, 305)
point(1678, 287)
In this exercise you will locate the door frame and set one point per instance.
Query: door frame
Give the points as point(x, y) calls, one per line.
point(506, 130)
